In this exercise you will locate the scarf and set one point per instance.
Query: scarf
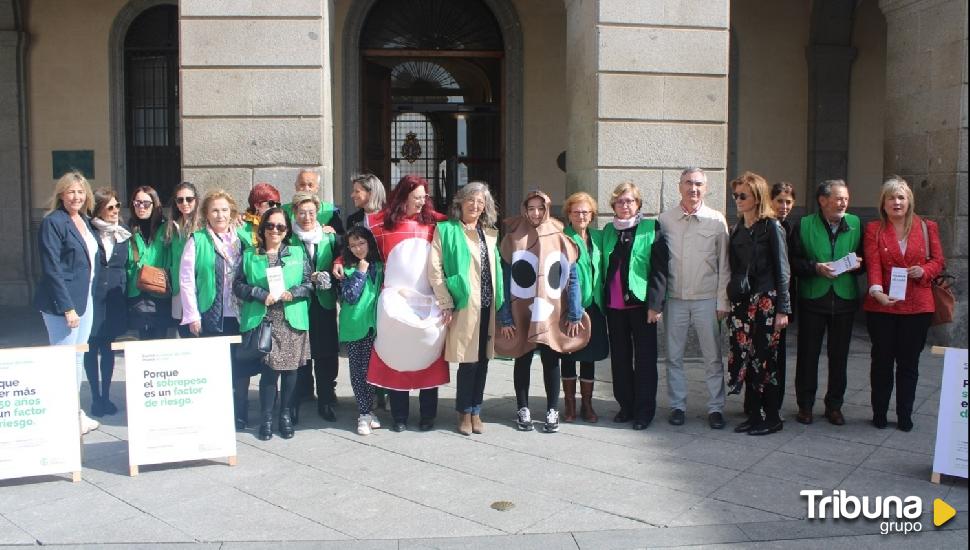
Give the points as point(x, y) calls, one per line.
point(620, 225)
point(115, 232)
point(310, 238)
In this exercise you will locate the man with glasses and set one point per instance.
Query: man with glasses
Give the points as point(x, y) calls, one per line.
point(828, 297)
point(697, 239)
point(323, 313)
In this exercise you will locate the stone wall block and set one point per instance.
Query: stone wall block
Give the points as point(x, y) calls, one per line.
point(906, 154)
point(250, 8)
point(652, 50)
point(246, 92)
point(943, 62)
point(936, 24)
point(935, 195)
point(695, 98)
point(906, 116)
point(694, 13)
point(251, 142)
point(634, 144)
point(962, 191)
point(251, 42)
point(236, 181)
point(943, 150)
point(908, 75)
point(631, 96)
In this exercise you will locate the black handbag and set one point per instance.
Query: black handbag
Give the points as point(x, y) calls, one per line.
point(256, 343)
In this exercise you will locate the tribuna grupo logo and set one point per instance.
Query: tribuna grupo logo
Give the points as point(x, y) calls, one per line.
point(895, 514)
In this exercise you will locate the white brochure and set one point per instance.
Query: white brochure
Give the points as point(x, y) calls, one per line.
point(897, 283)
point(844, 264)
point(274, 276)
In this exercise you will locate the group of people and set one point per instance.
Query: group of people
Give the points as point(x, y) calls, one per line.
point(408, 290)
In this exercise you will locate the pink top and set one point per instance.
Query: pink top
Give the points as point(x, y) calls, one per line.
point(616, 293)
point(190, 307)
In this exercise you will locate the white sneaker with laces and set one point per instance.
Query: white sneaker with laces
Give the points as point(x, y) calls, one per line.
point(552, 421)
point(375, 424)
point(363, 424)
point(524, 420)
point(86, 423)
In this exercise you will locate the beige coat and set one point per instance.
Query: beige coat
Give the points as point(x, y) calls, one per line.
point(461, 345)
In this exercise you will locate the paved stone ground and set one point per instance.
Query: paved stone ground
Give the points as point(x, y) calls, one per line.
point(589, 486)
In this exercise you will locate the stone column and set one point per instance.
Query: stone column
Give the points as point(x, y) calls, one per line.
point(16, 235)
point(926, 125)
point(648, 90)
point(255, 84)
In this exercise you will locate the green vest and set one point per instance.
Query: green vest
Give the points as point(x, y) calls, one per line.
point(205, 270)
point(814, 233)
point(357, 320)
point(325, 250)
point(154, 254)
point(457, 264)
point(247, 235)
point(175, 249)
point(324, 214)
point(254, 265)
point(638, 270)
point(589, 267)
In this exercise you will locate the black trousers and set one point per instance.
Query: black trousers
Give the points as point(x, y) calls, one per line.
point(323, 365)
point(470, 386)
point(812, 328)
point(99, 373)
point(897, 341)
point(268, 379)
point(427, 402)
point(781, 366)
point(551, 377)
point(633, 361)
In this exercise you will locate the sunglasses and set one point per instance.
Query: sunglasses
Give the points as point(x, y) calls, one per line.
point(184, 200)
point(740, 196)
point(273, 204)
point(278, 227)
point(114, 206)
point(142, 204)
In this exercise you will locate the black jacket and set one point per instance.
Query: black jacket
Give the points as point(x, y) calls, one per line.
point(656, 279)
point(802, 266)
point(761, 253)
point(110, 293)
point(64, 265)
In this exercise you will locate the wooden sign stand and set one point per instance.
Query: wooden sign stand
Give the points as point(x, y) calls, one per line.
point(133, 468)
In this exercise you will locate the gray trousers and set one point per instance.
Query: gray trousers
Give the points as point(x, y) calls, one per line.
point(702, 315)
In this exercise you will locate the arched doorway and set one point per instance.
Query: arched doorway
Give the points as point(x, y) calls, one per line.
point(432, 87)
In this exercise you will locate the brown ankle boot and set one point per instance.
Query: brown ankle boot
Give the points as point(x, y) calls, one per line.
point(586, 388)
point(569, 389)
point(478, 426)
point(465, 423)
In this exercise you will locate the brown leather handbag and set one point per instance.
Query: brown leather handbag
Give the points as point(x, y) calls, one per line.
point(943, 298)
point(150, 278)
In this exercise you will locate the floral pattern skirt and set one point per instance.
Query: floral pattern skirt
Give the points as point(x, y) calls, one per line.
point(753, 355)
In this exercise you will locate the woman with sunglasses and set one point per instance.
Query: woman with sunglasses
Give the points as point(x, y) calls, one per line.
point(760, 303)
point(206, 272)
point(147, 313)
point(110, 313)
point(262, 197)
point(288, 313)
point(184, 221)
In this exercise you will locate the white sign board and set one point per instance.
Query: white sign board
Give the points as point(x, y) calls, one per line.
point(39, 430)
point(179, 400)
point(950, 457)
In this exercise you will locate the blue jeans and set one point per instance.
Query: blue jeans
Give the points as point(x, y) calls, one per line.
point(60, 335)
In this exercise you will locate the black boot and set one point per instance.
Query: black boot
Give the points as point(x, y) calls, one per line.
point(240, 401)
point(286, 425)
point(266, 427)
point(295, 412)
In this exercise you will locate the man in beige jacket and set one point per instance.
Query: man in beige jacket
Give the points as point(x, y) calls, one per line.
point(697, 237)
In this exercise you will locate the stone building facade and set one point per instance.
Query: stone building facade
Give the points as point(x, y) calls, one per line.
point(564, 95)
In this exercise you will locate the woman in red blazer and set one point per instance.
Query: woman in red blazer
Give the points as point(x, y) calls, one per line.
point(897, 328)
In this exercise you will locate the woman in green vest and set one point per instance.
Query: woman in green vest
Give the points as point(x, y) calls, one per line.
point(320, 244)
point(580, 210)
point(466, 277)
point(287, 311)
point(184, 221)
point(209, 262)
point(148, 313)
point(359, 289)
point(262, 197)
point(634, 265)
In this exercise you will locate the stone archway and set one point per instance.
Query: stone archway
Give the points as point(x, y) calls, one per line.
point(508, 21)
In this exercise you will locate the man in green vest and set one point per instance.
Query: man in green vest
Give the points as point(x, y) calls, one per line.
point(827, 296)
point(323, 320)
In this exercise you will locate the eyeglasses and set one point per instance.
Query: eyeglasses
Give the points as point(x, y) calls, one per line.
point(306, 213)
point(624, 202)
point(114, 206)
point(142, 204)
point(184, 200)
point(740, 196)
point(582, 213)
point(278, 227)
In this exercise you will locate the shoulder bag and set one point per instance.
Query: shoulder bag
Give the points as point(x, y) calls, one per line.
point(943, 298)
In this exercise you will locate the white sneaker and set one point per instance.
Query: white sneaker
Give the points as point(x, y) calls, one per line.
point(524, 420)
point(375, 424)
point(87, 424)
point(552, 421)
point(363, 424)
